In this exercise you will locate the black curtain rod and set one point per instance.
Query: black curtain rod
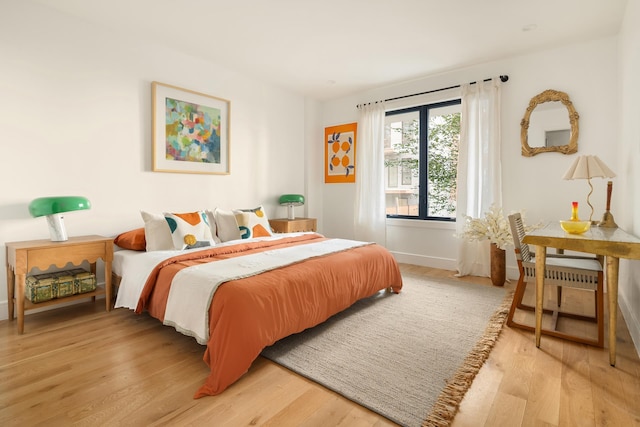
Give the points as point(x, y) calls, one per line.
point(503, 79)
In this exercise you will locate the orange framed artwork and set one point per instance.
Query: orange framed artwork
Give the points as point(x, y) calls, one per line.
point(340, 153)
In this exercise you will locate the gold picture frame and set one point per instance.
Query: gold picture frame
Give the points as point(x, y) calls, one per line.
point(190, 131)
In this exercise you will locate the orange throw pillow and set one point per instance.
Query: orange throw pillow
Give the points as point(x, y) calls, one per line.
point(133, 240)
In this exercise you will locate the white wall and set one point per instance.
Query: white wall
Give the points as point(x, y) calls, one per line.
point(75, 115)
point(628, 183)
point(530, 183)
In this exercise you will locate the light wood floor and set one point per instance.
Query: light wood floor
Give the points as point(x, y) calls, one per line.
point(82, 366)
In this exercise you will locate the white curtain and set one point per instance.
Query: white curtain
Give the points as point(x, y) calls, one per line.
point(370, 213)
point(479, 168)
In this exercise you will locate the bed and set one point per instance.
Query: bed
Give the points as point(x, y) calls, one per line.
point(250, 293)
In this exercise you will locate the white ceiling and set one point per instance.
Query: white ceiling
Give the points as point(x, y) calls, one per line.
point(329, 48)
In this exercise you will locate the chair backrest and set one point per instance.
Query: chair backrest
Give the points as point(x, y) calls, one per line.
point(517, 231)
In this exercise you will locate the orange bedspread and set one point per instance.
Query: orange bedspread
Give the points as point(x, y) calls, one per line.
point(250, 314)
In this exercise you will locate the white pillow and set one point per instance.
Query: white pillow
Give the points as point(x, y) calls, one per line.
point(253, 222)
point(156, 232)
point(189, 230)
point(212, 225)
point(226, 225)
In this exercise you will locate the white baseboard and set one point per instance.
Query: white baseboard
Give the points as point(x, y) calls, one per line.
point(424, 261)
point(443, 263)
point(633, 323)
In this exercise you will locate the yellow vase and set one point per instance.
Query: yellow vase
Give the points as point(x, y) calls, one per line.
point(574, 211)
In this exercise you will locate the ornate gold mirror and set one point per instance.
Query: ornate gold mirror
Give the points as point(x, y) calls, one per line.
point(546, 126)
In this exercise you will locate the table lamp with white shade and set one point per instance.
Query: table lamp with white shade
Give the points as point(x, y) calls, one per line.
point(587, 167)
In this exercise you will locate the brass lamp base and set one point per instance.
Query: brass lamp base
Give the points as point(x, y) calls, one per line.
point(607, 221)
point(607, 218)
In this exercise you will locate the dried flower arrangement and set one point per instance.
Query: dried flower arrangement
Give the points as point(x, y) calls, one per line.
point(494, 227)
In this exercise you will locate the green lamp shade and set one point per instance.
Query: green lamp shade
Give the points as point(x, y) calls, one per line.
point(292, 199)
point(54, 205)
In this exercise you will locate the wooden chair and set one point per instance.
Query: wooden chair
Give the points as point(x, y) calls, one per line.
point(562, 271)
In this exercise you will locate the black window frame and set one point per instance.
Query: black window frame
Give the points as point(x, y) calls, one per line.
point(423, 111)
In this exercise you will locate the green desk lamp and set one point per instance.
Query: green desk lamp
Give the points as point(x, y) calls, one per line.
point(291, 200)
point(52, 208)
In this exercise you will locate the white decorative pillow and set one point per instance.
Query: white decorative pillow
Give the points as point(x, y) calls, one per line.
point(189, 230)
point(253, 222)
point(156, 232)
point(226, 225)
point(212, 225)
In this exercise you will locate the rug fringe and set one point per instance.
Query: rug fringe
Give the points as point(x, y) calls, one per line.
point(448, 403)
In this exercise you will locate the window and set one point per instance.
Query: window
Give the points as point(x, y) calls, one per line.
point(407, 172)
point(421, 160)
point(392, 174)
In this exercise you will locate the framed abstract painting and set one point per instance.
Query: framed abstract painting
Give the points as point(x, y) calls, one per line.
point(340, 153)
point(190, 131)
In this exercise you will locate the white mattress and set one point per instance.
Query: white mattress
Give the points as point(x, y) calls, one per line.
point(134, 268)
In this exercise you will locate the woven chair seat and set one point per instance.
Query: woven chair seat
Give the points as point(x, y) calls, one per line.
point(571, 272)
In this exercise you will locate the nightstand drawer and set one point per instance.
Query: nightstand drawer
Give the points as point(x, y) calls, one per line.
point(283, 225)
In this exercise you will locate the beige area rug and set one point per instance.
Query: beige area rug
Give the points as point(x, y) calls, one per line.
point(410, 357)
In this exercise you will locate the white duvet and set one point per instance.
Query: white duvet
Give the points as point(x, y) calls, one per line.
point(193, 287)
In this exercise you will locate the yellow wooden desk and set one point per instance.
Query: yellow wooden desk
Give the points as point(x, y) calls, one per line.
point(612, 243)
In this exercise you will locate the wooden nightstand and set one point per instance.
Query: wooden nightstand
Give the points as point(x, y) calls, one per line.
point(22, 257)
point(284, 225)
